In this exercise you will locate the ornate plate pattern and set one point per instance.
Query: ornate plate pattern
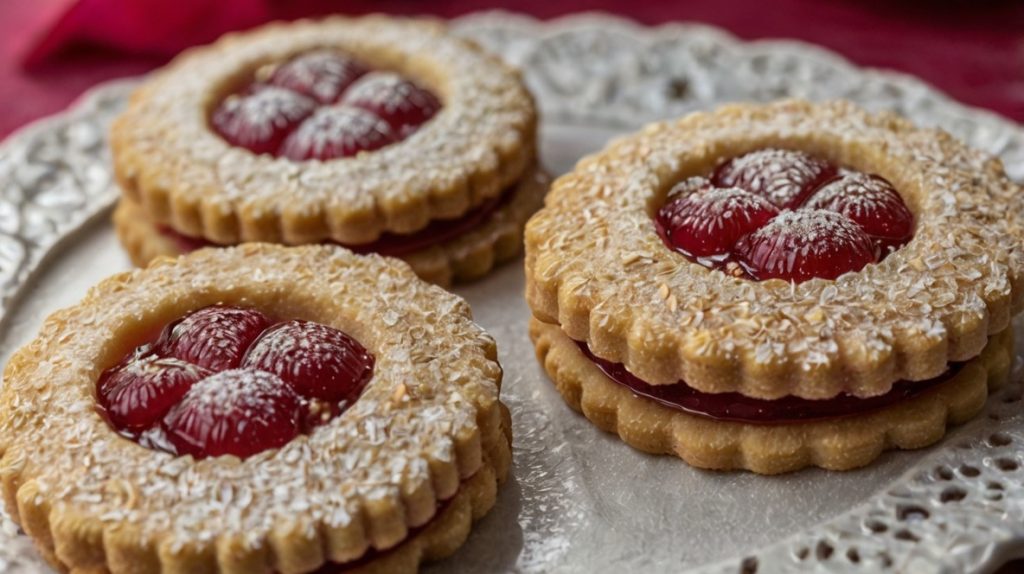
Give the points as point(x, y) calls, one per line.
point(960, 508)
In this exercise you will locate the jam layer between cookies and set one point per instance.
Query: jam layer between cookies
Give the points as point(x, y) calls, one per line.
point(783, 214)
point(736, 407)
point(322, 105)
point(232, 381)
point(391, 244)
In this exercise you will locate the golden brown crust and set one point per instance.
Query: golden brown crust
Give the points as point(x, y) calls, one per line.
point(840, 444)
point(168, 160)
point(139, 236)
point(445, 534)
point(596, 266)
point(429, 420)
point(463, 258)
point(449, 530)
point(442, 536)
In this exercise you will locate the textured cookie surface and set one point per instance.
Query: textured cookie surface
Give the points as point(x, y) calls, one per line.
point(428, 426)
point(463, 258)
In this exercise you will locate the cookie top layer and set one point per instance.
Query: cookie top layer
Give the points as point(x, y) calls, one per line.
point(596, 265)
point(167, 157)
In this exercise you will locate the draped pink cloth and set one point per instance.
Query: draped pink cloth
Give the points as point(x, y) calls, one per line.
point(52, 50)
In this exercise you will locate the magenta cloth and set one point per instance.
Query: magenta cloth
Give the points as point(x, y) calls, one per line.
point(135, 27)
point(52, 50)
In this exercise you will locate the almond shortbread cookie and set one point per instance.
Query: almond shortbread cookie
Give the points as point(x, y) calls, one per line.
point(812, 256)
point(380, 134)
point(254, 409)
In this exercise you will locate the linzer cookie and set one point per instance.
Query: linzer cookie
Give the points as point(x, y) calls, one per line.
point(254, 409)
point(383, 135)
point(777, 286)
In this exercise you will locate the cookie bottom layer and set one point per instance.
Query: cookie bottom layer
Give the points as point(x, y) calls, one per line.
point(464, 258)
point(439, 538)
point(837, 444)
point(448, 531)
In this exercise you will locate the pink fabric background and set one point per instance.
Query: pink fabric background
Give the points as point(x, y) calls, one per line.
point(52, 50)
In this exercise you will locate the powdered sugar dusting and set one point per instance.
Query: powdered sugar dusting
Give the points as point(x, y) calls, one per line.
point(689, 186)
point(327, 368)
point(138, 393)
point(320, 74)
point(153, 363)
point(237, 390)
point(806, 243)
point(718, 206)
point(214, 337)
point(783, 176)
point(318, 361)
point(871, 202)
point(860, 192)
point(239, 412)
point(713, 224)
point(402, 103)
point(812, 228)
point(385, 108)
point(709, 221)
point(271, 108)
point(337, 132)
point(259, 120)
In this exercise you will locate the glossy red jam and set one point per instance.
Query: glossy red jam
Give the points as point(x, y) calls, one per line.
point(232, 381)
point(739, 408)
point(322, 105)
point(783, 214)
point(436, 232)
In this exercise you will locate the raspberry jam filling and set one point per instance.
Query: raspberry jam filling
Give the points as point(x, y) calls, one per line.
point(231, 381)
point(740, 408)
point(783, 214)
point(393, 244)
point(322, 105)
